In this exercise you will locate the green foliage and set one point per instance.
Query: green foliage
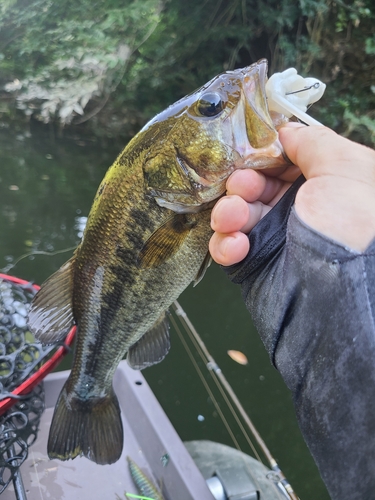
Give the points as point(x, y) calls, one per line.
point(119, 62)
point(370, 46)
point(61, 55)
point(362, 125)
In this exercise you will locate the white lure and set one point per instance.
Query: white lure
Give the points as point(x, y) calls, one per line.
point(290, 94)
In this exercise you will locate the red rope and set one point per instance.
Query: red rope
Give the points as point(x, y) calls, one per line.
point(27, 386)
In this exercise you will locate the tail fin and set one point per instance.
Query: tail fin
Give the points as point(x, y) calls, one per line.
point(89, 428)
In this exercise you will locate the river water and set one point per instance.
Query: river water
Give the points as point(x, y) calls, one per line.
point(46, 188)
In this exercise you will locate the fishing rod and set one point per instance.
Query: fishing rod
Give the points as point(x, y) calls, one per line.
point(219, 378)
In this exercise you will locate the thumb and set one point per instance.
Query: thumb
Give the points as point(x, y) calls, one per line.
point(309, 147)
point(318, 151)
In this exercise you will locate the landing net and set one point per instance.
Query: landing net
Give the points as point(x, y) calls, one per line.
point(23, 365)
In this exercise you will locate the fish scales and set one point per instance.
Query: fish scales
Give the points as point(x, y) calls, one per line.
point(145, 240)
point(128, 304)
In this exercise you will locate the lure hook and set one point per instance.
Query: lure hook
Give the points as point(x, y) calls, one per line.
point(291, 95)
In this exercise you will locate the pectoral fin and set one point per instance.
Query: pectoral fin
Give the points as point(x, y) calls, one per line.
point(152, 347)
point(202, 270)
point(165, 241)
point(51, 314)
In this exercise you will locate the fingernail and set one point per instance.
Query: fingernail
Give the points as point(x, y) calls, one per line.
point(220, 202)
point(225, 245)
point(213, 213)
point(230, 180)
point(233, 174)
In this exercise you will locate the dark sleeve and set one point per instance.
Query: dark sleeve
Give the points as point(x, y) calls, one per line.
point(313, 303)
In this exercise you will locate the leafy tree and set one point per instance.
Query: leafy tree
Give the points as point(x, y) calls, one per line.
point(116, 63)
point(60, 55)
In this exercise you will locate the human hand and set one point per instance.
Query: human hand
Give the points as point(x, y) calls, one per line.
point(337, 200)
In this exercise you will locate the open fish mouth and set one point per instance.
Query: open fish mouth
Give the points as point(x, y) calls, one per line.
point(257, 143)
point(271, 157)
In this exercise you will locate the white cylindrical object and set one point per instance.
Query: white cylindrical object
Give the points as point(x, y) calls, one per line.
point(216, 488)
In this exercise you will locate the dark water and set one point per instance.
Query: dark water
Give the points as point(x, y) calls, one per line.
point(46, 188)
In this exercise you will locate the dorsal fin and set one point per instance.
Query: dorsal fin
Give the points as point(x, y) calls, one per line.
point(152, 347)
point(51, 314)
point(165, 241)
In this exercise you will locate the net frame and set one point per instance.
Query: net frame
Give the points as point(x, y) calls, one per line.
point(34, 379)
point(22, 394)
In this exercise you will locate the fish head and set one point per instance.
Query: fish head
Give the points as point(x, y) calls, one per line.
point(195, 144)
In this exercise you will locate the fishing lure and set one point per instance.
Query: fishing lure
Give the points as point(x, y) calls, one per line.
point(291, 94)
point(130, 495)
point(143, 483)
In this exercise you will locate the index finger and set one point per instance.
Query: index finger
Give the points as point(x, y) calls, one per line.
point(254, 186)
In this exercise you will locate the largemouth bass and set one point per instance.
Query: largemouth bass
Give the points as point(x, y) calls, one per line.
point(146, 239)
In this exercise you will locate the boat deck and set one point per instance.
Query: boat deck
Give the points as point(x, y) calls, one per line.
point(150, 440)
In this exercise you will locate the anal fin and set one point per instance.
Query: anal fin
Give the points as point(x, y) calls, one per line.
point(51, 314)
point(152, 347)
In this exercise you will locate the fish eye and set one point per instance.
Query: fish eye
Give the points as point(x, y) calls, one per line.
point(210, 104)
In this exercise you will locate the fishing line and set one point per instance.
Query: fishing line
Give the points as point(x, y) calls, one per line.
point(233, 411)
point(204, 382)
point(214, 368)
point(7, 268)
point(218, 385)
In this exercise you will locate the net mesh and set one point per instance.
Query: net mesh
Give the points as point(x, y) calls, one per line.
point(20, 356)
point(18, 431)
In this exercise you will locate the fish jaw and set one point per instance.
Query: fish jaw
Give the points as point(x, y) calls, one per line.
point(257, 143)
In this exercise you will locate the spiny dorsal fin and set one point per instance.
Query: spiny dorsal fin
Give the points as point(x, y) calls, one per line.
point(152, 347)
point(202, 270)
point(165, 241)
point(51, 315)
